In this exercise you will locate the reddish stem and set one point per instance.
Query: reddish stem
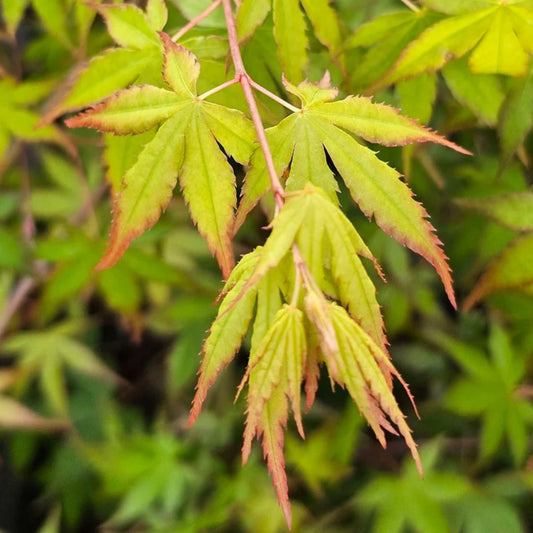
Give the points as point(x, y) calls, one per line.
point(244, 79)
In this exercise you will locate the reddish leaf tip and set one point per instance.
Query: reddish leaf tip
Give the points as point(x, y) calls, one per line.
point(78, 121)
point(114, 252)
point(286, 508)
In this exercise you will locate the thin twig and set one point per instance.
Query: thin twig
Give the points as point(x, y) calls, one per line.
point(218, 88)
point(23, 288)
point(191, 24)
point(244, 79)
point(411, 6)
point(273, 96)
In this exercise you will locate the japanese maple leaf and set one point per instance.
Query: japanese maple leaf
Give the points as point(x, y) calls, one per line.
point(498, 33)
point(186, 145)
point(298, 142)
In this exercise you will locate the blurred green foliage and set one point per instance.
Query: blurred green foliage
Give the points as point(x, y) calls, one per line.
point(97, 369)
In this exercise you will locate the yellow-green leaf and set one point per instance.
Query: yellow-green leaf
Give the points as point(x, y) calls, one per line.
point(250, 16)
point(208, 184)
point(130, 111)
point(128, 26)
point(289, 32)
point(234, 316)
point(113, 70)
point(377, 123)
point(281, 142)
point(156, 14)
point(452, 37)
point(233, 130)
point(180, 68)
point(148, 186)
point(379, 192)
point(481, 93)
point(360, 361)
point(325, 23)
point(309, 162)
point(500, 50)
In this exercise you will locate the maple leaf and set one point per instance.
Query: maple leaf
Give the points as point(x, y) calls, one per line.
point(292, 336)
point(276, 371)
point(46, 354)
point(139, 51)
point(404, 501)
point(491, 390)
point(375, 187)
point(185, 146)
point(497, 33)
point(386, 37)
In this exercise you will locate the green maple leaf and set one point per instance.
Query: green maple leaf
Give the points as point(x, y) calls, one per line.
point(292, 336)
point(184, 146)
point(490, 390)
point(497, 33)
point(138, 56)
point(408, 500)
point(147, 473)
point(298, 142)
point(290, 29)
point(46, 354)
point(484, 509)
point(386, 37)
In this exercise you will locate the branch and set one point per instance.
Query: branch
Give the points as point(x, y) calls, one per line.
point(244, 79)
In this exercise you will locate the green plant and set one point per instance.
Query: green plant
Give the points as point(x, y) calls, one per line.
point(216, 96)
